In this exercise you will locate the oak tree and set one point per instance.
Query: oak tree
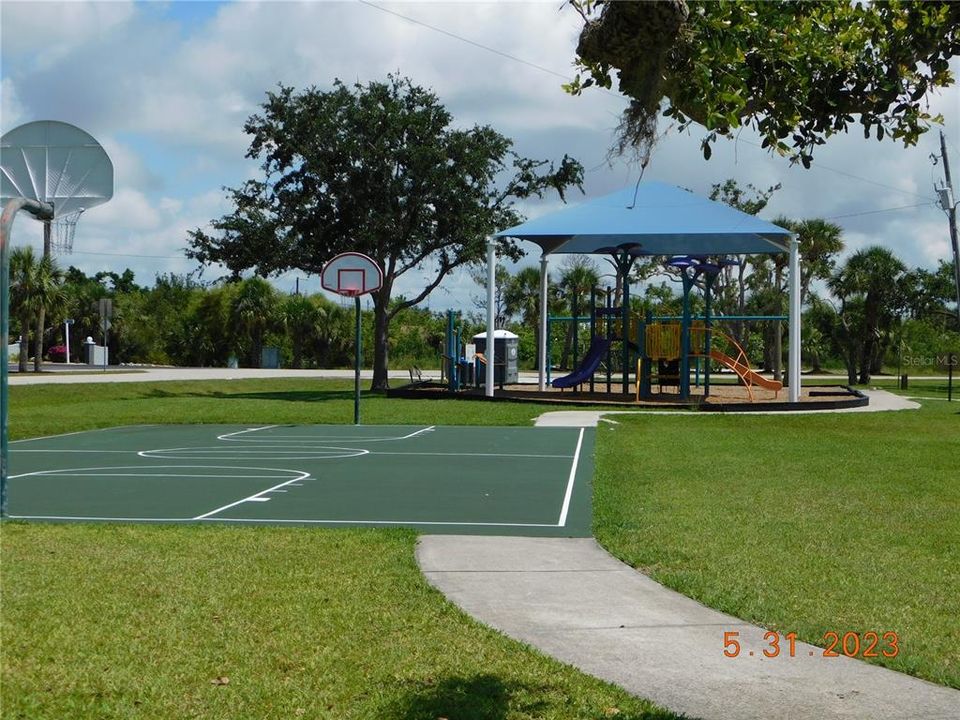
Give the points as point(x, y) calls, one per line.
point(380, 169)
point(796, 72)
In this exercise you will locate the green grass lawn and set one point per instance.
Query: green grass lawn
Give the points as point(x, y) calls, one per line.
point(806, 523)
point(109, 621)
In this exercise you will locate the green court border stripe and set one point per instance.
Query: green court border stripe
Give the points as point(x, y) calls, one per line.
point(277, 520)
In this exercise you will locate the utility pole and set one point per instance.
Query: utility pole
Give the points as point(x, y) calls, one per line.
point(950, 208)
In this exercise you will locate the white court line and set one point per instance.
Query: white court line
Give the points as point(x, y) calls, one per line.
point(303, 476)
point(299, 439)
point(241, 432)
point(57, 473)
point(278, 471)
point(573, 474)
point(79, 432)
point(127, 452)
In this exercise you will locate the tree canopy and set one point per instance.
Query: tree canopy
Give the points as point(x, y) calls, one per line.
point(379, 169)
point(796, 72)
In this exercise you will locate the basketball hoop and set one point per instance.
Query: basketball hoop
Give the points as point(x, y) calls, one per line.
point(64, 228)
point(352, 274)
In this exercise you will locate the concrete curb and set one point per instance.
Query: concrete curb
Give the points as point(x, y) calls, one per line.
point(880, 401)
point(572, 600)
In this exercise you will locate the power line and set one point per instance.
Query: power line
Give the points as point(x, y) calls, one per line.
point(549, 71)
point(821, 166)
point(467, 40)
point(882, 210)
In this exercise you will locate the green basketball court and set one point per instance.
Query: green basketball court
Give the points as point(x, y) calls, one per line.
point(509, 481)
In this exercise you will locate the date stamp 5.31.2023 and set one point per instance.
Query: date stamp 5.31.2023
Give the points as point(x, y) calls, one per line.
point(851, 644)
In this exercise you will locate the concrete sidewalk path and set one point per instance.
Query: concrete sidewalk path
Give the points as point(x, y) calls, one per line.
point(572, 600)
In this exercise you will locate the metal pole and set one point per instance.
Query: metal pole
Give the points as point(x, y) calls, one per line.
point(491, 298)
point(624, 271)
point(41, 210)
point(707, 329)
point(951, 360)
point(951, 211)
point(793, 360)
point(685, 337)
point(542, 350)
point(356, 364)
point(66, 336)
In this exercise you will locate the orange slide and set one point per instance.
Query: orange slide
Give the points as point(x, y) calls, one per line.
point(750, 377)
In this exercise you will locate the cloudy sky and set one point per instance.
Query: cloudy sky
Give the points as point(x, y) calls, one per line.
point(166, 87)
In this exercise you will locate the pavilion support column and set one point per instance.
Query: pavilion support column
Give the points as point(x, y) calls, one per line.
point(542, 349)
point(491, 348)
point(793, 361)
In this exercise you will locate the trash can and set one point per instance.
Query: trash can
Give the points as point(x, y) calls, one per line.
point(270, 358)
point(505, 353)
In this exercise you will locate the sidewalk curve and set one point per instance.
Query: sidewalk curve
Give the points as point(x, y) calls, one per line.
point(572, 600)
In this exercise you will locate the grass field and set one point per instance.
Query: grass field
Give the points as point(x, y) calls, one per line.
point(805, 523)
point(812, 523)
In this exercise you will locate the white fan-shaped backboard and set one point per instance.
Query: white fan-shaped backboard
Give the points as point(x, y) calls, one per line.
point(57, 163)
point(351, 274)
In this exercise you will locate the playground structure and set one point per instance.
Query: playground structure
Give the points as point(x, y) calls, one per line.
point(652, 219)
point(663, 349)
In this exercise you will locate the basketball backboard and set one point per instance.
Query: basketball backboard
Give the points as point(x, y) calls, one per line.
point(351, 274)
point(56, 163)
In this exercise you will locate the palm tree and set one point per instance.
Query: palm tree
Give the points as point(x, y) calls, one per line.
point(522, 298)
point(300, 317)
point(253, 313)
point(578, 276)
point(870, 290)
point(36, 287)
point(820, 242)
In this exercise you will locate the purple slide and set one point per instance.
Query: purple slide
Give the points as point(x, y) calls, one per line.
point(598, 348)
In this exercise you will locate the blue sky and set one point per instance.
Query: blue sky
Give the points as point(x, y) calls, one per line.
point(166, 87)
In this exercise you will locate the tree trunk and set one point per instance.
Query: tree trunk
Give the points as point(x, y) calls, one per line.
point(741, 299)
point(24, 341)
point(778, 351)
point(38, 342)
point(865, 355)
point(567, 347)
point(381, 335)
point(815, 367)
point(536, 345)
point(850, 360)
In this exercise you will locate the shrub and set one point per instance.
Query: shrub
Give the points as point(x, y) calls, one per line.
point(57, 353)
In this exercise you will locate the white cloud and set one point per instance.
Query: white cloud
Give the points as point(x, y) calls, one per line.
point(11, 111)
point(44, 33)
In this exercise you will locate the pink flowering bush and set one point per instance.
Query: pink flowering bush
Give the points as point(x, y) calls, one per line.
point(57, 353)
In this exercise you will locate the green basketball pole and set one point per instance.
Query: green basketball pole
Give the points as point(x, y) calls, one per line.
point(356, 366)
point(43, 211)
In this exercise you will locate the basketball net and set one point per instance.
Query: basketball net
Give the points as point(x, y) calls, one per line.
point(63, 230)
